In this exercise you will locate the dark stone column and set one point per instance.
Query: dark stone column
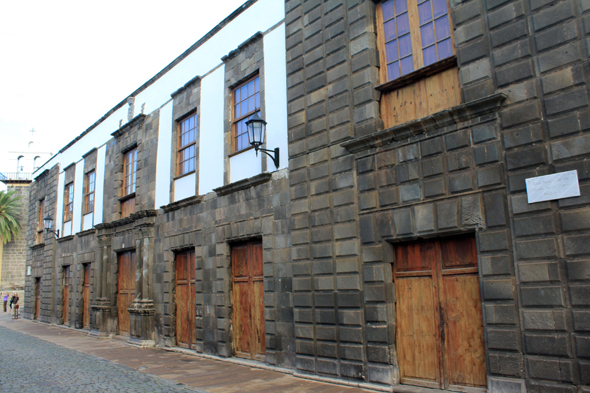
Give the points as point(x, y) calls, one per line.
point(101, 306)
point(142, 311)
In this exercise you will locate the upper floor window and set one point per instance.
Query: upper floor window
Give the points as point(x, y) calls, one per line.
point(69, 202)
point(89, 192)
point(129, 179)
point(40, 217)
point(246, 102)
point(187, 146)
point(413, 34)
point(129, 172)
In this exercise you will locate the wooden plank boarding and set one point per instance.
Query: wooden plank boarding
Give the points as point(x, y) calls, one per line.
point(439, 318)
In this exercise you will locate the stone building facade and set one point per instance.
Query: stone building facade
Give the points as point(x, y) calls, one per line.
point(395, 244)
point(13, 254)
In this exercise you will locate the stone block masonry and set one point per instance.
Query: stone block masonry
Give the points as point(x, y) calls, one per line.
point(14, 253)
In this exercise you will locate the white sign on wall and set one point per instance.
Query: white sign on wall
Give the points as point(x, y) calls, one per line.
point(28, 270)
point(557, 186)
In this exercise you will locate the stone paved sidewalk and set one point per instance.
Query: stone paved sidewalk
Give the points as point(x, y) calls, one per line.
point(162, 370)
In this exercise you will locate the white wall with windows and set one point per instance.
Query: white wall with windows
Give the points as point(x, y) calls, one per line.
point(266, 16)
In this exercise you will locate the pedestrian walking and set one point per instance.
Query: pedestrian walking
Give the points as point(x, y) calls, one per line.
point(15, 305)
point(5, 299)
point(12, 301)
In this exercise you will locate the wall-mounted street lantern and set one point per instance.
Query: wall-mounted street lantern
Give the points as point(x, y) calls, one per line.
point(47, 224)
point(256, 129)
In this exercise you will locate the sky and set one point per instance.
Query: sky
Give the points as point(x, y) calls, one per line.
point(64, 64)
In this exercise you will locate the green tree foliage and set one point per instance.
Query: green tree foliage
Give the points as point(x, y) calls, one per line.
point(9, 216)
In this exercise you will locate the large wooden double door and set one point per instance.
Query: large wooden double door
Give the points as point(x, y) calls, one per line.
point(248, 300)
point(439, 331)
point(126, 289)
point(186, 332)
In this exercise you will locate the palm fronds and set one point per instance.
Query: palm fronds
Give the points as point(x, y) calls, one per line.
point(9, 216)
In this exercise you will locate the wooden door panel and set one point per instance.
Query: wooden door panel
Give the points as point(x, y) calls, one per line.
point(66, 294)
point(248, 301)
point(38, 299)
point(181, 315)
point(86, 297)
point(126, 289)
point(417, 330)
point(465, 350)
point(185, 299)
point(243, 325)
point(458, 252)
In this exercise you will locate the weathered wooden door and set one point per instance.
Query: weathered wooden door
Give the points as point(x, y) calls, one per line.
point(37, 297)
point(186, 333)
point(66, 294)
point(86, 297)
point(439, 324)
point(126, 288)
point(248, 300)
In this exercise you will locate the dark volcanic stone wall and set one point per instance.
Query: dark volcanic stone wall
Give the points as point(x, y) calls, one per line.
point(357, 189)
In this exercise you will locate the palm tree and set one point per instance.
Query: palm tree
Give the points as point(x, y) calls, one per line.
point(9, 216)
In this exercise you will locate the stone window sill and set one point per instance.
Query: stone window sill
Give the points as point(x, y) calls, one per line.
point(243, 184)
point(193, 200)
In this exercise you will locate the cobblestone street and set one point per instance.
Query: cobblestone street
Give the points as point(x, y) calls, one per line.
point(36, 357)
point(33, 365)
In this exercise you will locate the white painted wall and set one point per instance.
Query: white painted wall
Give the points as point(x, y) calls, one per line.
point(99, 184)
point(185, 187)
point(211, 155)
point(164, 156)
point(275, 91)
point(87, 221)
point(59, 215)
point(264, 14)
point(78, 191)
point(245, 165)
point(261, 16)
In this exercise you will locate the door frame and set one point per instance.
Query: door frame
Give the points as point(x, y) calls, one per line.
point(120, 253)
point(65, 293)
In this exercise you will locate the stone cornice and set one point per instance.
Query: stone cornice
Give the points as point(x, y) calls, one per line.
point(243, 184)
point(86, 232)
point(38, 177)
point(448, 117)
point(126, 127)
point(127, 220)
point(186, 86)
point(65, 239)
point(258, 35)
point(182, 203)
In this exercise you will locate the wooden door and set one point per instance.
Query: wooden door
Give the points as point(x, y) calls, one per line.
point(439, 323)
point(37, 297)
point(126, 288)
point(66, 294)
point(186, 333)
point(248, 300)
point(86, 297)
